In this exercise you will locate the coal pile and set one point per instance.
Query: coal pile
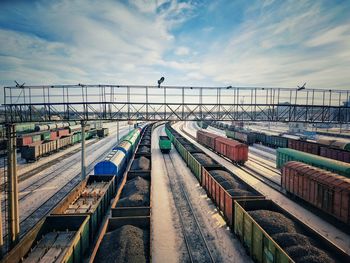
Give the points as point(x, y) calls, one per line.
point(203, 159)
point(240, 192)
point(230, 184)
point(141, 163)
point(290, 239)
point(136, 192)
point(287, 235)
point(273, 222)
point(191, 148)
point(126, 244)
point(298, 252)
point(145, 141)
point(183, 140)
point(144, 150)
point(146, 137)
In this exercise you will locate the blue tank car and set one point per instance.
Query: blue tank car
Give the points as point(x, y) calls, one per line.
point(114, 164)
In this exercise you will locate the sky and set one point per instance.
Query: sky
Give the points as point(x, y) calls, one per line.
point(193, 43)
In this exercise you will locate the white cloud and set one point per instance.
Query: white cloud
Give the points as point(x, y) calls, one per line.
point(182, 51)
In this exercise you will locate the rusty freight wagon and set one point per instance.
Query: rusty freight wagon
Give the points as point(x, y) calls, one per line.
point(325, 190)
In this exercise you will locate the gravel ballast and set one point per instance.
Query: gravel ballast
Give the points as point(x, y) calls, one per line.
point(141, 163)
point(126, 244)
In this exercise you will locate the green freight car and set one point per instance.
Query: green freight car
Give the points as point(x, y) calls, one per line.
point(164, 144)
point(266, 240)
point(65, 237)
point(285, 155)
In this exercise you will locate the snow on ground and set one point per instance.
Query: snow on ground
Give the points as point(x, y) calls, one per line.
point(213, 225)
point(326, 229)
point(35, 192)
point(167, 239)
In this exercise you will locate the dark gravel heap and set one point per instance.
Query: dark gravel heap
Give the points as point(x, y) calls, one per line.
point(141, 163)
point(284, 231)
point(126, 244)
point(240, 192)
point(273, 222)
point(145, 141)
point(230, 184)
point(183, 140)
point(291, 239)
point(306, 251)
point(144, 149)
point(191, 148)
point(136, 192)
point(146, 137)
point(203, 159)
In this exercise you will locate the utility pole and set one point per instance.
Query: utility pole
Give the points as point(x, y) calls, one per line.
point(117, 131)
point(12, 184)
point(83, 166)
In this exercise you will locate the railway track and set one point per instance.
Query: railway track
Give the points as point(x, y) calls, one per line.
point(196, 244)
point(40, 168)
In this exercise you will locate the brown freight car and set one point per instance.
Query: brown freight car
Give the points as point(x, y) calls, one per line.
point(304, 146)
point(234, 150)
point(336, 154)
point(207, 138)
point(327, 191)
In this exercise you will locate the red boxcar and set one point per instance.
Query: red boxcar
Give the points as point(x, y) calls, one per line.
point(304, 146)
point(24, 140)
point(234, 150)
point(207, 138)
point(336, 154)
point(325, 190)
point(63, 132)
point(53, 135)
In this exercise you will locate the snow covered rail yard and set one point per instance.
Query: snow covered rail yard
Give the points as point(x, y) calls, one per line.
point(329, 231)
point(48, 184)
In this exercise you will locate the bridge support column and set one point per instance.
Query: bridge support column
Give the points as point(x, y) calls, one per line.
point(12, 186)
point(117, 131)
point(83, 165)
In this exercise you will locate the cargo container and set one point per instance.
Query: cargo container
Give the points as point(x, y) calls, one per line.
point(45, 136)
point(24, 140)
point(336, 154)
point(53, 135)
point(223, 195)
point(235, 151)
point(325, 190)
point(304, 146)
point(35, 151)
point(164, 144)
point(285, 155)
point(63, 133)
point(91, 197)
point(245, 137)
point(103, 132)
point(207, 139)
point(262, 247)
point(64, 142)
point(54, 239)
point(276, 141)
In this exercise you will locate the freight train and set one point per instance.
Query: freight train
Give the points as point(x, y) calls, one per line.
point(333, 149)
point(267, 231)
point(68, 233)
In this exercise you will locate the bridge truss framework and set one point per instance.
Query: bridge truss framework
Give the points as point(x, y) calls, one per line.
point(150, 103)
